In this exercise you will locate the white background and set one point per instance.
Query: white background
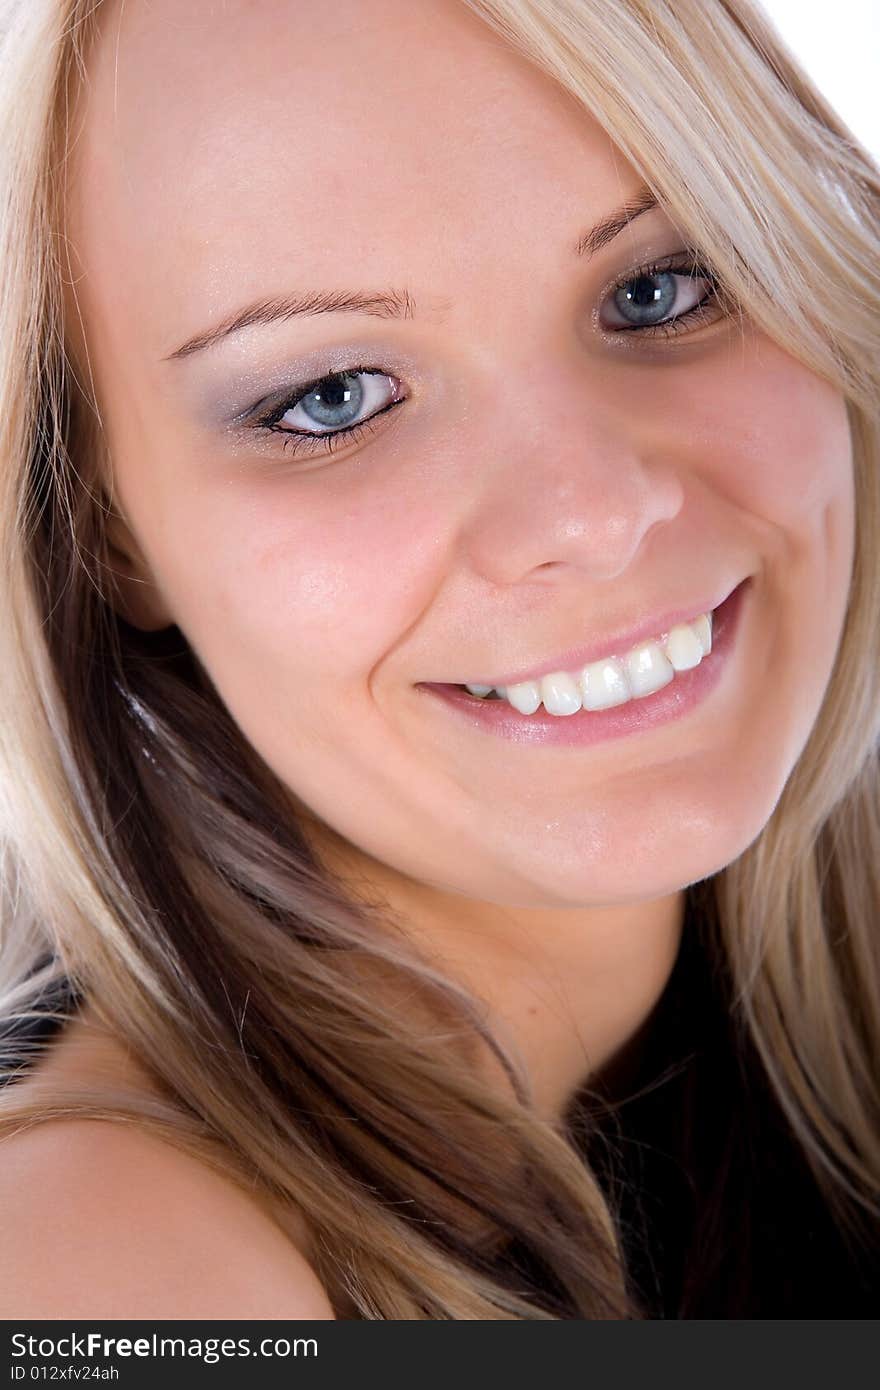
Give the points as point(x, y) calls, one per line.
point(838, 43)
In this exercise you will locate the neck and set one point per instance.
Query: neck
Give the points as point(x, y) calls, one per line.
point(568, 991)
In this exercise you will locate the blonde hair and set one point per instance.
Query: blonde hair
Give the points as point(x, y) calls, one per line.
point(140, 834)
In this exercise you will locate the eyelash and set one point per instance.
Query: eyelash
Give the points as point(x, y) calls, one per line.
point(688, 264)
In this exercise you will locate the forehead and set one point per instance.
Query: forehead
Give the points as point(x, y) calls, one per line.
point(253, 142)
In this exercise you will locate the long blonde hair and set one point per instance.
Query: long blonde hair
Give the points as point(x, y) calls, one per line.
point(141, 836)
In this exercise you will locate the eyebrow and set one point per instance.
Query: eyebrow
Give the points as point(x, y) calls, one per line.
point(389, 303)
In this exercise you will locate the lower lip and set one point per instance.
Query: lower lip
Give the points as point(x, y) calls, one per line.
point(686, 691)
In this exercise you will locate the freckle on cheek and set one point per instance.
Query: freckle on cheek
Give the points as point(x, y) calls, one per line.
point(324, 587)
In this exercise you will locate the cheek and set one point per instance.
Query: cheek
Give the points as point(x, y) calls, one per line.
point(287, 580)
point(777, 444)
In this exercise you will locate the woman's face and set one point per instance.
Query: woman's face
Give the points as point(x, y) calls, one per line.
point(548, 472)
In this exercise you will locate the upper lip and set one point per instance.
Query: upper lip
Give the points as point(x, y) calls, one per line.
point(616, 641)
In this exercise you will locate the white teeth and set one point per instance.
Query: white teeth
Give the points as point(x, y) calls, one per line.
point(684, 648)
point(703, 628)
point(648, 668)
point(613, 680)
point(604, 684)
point(525, 697)
point(560, 693)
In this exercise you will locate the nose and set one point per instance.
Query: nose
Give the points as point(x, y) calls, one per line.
point(568, 475)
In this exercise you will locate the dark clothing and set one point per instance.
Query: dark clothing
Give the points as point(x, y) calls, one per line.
point(721, 1216)
point(19, 1036)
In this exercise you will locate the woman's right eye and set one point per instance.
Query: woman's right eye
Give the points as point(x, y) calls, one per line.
point(337, 404)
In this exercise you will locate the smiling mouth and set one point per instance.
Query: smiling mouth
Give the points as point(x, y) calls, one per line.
point(612, 680)
point(613, 709)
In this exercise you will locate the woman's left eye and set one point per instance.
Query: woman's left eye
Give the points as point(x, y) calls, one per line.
point(646, 298)
point(341, 405)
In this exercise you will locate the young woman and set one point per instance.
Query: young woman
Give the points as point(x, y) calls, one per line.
point(440, 700)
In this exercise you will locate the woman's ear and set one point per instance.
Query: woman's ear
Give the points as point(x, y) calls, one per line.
point(134, 594)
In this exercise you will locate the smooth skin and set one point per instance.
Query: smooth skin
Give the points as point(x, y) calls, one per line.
point(545, 477)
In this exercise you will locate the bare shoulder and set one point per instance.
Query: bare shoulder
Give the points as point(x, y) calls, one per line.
point(105, 1219)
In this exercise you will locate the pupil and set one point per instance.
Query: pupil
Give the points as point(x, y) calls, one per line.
point(647, 298)
point(341, 392)
point(647, 294)
point(333, 393)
